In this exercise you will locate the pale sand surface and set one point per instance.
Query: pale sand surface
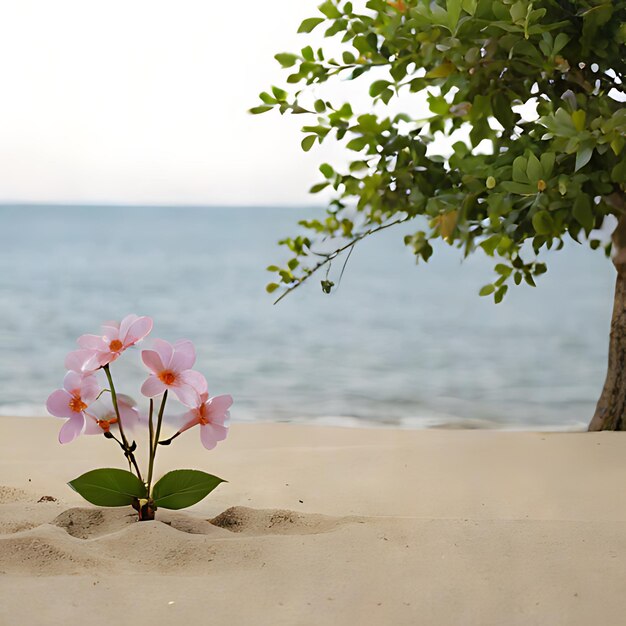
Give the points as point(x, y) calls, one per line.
point(341, 526)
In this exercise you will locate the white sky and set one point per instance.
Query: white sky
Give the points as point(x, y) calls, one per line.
point(144, 101)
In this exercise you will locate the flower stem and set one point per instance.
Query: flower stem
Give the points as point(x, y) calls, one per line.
point(127, 449)
point(154, 440)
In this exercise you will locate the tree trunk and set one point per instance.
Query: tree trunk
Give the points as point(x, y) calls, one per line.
point(611, 408)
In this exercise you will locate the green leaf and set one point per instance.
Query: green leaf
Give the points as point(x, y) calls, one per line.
point(560, 41)
point(583, 155)
point(182, 488)
point(261, 109)
point(547, 163)
point(519, 170)
point(329, 10)
point(320, 106)
point(309, 24)
point(490, 244)
point(534, 169)
point(486, 290)
point(578, 117)
point(279, 93)
point(502, 111)
point(582, 212)
point(327, 170)
point(109, 487)
point(378, 86)
point(307, 142)
point(543, 223)
point(272, 287)
point(497, 298)
point(286, 59)
point(318, 187)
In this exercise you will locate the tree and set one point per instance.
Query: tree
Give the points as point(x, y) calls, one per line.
point(513, 185)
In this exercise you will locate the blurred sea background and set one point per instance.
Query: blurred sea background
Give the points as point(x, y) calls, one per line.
point(394, 345)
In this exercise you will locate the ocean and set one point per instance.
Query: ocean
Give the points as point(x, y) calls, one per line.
point(396, 344)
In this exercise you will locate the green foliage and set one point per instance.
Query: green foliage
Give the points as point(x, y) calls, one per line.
point(533, 182)
point(109, 487)
point(182, 488)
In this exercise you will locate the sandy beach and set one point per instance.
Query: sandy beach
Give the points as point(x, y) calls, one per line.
point(321, 525)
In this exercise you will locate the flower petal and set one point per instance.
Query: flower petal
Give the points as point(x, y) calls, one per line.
point(152, 387)
point(129, 415)
point(138, 330)
point(217, 409)
point(195, 380)
point(210, 435)
point(184, 356)
point(111, 331)
point(72, 428)
point(94, 362)
point(187, 394)
point(92, 342)
point(58, 403)
point(72, 382)
point(89, 389)
point(91, 426)
point(165, 350)
point(190, 419)
point(77, 360)
point(125, 324)
point(152, 360)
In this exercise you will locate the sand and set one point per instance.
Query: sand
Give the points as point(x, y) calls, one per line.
point(321, 525)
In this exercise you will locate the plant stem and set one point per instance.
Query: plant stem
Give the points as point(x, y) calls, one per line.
point(127, 451)
point(152, 443)
point(156, 438)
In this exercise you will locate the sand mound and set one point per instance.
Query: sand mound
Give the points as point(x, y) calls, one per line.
point(241, 519)
point(80, 539)
point(85, 523)
point(46, 550)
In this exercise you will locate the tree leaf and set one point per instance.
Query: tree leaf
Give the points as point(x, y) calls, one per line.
point(182, 488)
point(329, 10)
point(286, 59)
point(378, 86)
point(519, 170)
point(534, 169)
point(583, 155)
point(582, 212)
point(309, 24)
point(441, 71)
point(109, 487)
point(578, 117)
point(307, 142)
point(260, 109)
point(543, 223)
point(547, 163)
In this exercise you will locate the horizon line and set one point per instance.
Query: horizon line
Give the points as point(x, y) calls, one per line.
point(150, 205)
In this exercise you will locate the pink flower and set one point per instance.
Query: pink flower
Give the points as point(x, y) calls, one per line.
point(211, 414)
point(78, 392)
point(99, 350)
point(101, 417)
point(171, 369)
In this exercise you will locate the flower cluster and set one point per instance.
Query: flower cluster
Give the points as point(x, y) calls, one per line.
point(95, 409)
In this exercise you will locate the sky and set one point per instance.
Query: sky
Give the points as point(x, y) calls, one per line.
point(145, 102)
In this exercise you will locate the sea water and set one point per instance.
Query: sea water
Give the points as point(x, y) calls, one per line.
point(395, 344)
